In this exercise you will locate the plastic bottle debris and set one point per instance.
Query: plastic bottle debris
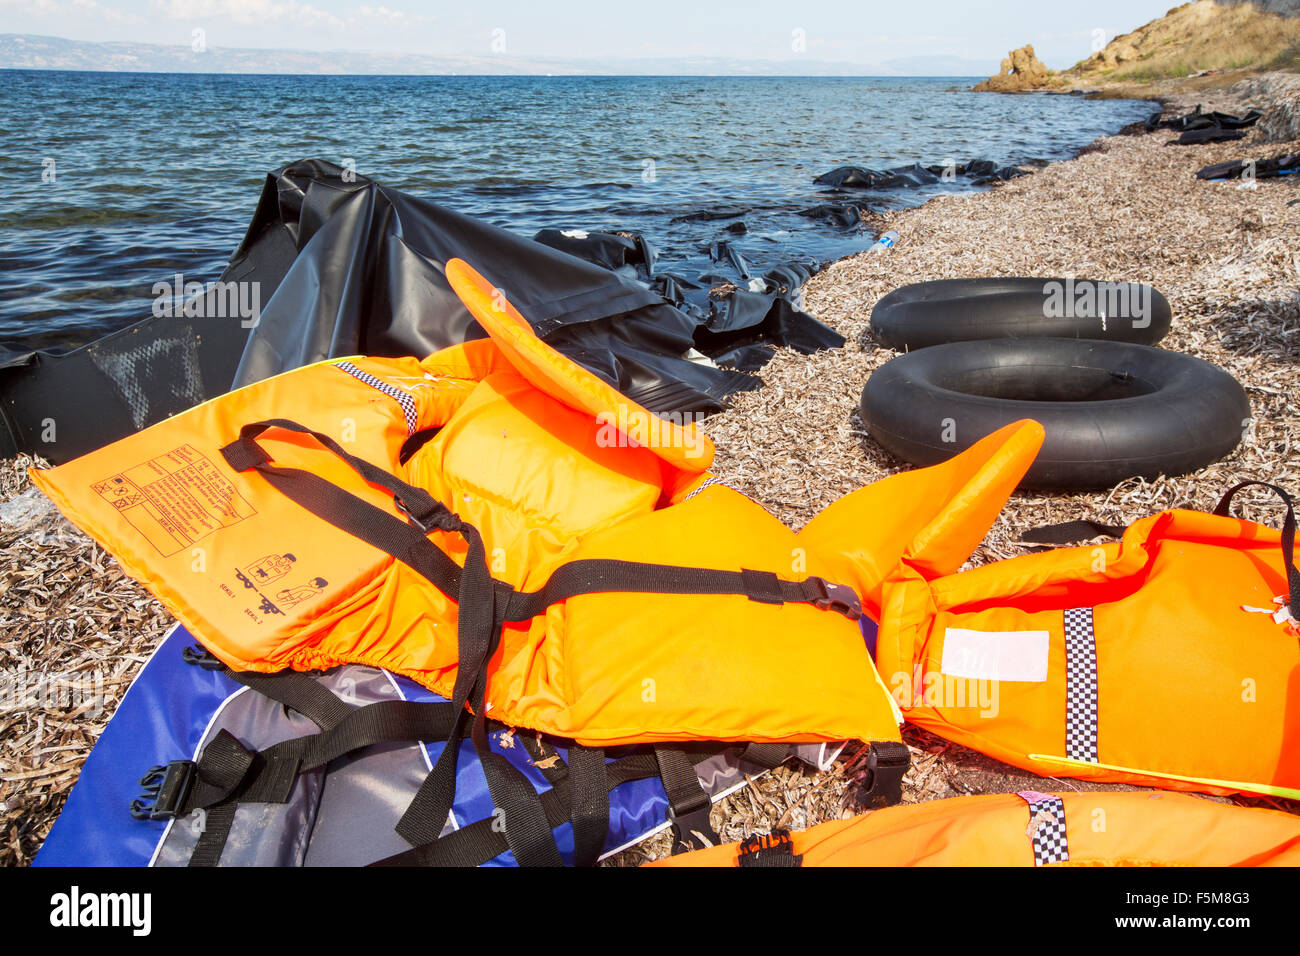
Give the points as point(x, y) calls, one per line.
point(885, 242)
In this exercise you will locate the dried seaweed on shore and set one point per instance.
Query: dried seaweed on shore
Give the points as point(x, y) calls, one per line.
point(74, 632)
point(1130, 209)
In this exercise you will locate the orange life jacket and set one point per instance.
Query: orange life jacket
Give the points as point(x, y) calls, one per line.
point(502, 526)
point(1168, 659)
point(1030, 829)
point(552, 467)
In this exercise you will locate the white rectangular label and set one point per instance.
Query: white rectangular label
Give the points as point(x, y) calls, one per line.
point(995, 655)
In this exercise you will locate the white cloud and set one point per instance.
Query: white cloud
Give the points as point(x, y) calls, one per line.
point(248, 12)
point(381, 13)
point(262, 12)
point(62, 8)
point(367, 15)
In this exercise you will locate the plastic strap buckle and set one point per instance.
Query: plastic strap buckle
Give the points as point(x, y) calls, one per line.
point(167, 787)
point(837, 597)
point(200, 656)
point(429, 515)
point(692, 829)
point(887, 762)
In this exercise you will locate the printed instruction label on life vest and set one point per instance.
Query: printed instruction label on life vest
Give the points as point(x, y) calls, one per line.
point(262, 577)
point(176, 499)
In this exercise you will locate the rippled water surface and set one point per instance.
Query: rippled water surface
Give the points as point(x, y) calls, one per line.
point(158, 174)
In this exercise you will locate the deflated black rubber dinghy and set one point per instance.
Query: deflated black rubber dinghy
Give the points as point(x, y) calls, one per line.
point(923, 314)
point(344, 266)
point(1111, 410)
point(64, 405)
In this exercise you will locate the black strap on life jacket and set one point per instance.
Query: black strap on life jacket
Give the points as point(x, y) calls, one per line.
point(688, 802)
point(228, 774)
point(1072, 532)
point(406, 541)
point(774, 849)
point(223, 775)
point(1224, 510)
point(481, 841)
point(878, 772)
point(484, 606)
point(293, 689)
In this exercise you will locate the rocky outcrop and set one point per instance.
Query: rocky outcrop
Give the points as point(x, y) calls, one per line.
point(1283, 8)
point(1278, 95)
point(1021, 71)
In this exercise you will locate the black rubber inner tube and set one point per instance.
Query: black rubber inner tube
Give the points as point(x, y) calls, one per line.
point(960, 310)
point(1111, 410)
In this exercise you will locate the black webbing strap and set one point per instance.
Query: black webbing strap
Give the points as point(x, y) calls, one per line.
point(528, 830)
point(584, 774)
point(479, 625)
point(544, 756)
point(478, 842)
point(775, 849)
point(478, 631)
point(1072, 532)
point(228, 774)
point(217, 774)
point(689, 803)
point(766, 756)
point(296, 691)
point(1224, 509)
point(293, 689)
point(588, 803)
point(216, 779)
point(216, 824)
point(594, 575)
point(483, 607)
point(407, 542)
point(227, 770)
point(244, 453)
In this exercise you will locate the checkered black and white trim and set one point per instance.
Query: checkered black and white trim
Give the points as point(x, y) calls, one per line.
point(392, 391)
point(1080, 685)
point(1046, 828)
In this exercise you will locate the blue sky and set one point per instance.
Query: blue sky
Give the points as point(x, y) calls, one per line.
point(847, 30)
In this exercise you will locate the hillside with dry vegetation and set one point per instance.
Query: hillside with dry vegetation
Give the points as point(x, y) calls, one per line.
point(1203, 45)
point(1198, 37)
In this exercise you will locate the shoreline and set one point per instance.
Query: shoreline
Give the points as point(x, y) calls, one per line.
point(1082, 216)
point(1128, 207)
point(1124, 208)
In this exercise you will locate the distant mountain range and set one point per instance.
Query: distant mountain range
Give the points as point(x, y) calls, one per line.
point(29, 52)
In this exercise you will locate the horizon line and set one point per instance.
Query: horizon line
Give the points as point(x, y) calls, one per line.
point(552, 76)
point(535, 63)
